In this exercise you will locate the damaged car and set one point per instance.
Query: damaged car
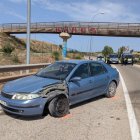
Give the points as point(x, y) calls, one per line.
point(58, 86)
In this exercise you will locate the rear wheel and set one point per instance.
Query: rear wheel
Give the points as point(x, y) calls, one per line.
point(59, 106)
point(111, 90)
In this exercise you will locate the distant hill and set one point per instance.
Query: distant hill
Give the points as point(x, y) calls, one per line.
point(41, 52)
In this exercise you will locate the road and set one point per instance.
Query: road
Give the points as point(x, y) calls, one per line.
point(98, 119)
point(131, 76)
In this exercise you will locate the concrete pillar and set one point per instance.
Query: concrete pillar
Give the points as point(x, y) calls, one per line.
point(65, 37)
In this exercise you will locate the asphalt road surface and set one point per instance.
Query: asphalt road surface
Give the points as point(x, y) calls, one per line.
point(131, 76)
point(98, 119)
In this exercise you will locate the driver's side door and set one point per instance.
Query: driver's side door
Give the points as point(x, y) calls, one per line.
point(80, 89)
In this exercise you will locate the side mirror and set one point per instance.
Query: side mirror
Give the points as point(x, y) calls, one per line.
point(75, 79)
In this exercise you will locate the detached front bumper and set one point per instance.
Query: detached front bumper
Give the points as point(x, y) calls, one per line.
point(25, 108)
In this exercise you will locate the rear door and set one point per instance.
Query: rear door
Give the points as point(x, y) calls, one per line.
point(100, 78)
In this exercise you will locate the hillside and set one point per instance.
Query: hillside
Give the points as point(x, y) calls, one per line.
point(13, 50)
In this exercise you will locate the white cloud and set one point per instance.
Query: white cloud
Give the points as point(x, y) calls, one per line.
point(12, 13)
point(8, 11)
point(85, 10)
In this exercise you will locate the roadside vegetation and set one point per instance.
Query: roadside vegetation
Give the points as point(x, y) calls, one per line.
point(15, 58)
point(56, 55)
point(7, 49)
point(107, 51)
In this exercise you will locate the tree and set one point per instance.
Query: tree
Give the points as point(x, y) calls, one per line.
point(121, 50)
point(107, 51)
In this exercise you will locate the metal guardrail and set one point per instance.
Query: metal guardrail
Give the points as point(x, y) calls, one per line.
point(22, 67)
point(15, 68)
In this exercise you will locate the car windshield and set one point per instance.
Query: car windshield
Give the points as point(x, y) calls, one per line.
point(128, 56)
point(100, 58)
point(113, 56)
point(58, 70)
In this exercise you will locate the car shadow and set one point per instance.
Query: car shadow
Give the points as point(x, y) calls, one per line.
point(26, 118)
point(87, 101)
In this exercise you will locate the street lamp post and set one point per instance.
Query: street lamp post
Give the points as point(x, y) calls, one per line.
point(28, 31)
point(90, 51)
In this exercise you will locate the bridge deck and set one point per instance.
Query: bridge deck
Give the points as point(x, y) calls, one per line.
point(76, 28)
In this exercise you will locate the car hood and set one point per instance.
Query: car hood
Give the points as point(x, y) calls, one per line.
point(28, 84)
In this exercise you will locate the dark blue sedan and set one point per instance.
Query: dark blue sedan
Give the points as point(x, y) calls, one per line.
point(58, 86)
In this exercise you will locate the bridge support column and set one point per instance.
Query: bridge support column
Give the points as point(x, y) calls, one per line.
point(65, 37)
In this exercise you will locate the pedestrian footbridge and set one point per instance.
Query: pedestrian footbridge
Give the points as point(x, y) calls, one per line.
point(76, 28)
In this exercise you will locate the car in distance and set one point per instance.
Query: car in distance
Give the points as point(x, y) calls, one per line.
point(100, 58)
point(58, 86)
point(127, 58)
point(113, 59)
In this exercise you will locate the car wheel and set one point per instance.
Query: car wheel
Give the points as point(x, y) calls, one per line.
point(59, 106)
point(111, 90)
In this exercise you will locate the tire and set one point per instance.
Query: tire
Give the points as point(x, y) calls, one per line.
point(59, 106)
point(111, 90)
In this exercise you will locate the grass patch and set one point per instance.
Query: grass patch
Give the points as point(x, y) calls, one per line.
point(15, 58)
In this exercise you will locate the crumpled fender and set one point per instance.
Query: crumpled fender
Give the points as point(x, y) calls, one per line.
point(54, 90)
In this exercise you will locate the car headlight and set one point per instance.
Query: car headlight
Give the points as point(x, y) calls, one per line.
point(25, 96)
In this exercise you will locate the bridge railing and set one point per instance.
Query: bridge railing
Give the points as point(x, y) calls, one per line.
point(101, 25)
point(17, 71)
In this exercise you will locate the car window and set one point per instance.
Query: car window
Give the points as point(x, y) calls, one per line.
point(58, 70)
point(96, 69)
point(82, 71)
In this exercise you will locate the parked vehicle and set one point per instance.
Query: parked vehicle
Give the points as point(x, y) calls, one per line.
point(112, 58)
point(100, 58)
point(127, 58)
point(58, 86)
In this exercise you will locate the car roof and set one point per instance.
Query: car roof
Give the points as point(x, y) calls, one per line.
point(78, 61)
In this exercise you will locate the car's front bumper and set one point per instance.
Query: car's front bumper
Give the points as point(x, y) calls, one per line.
point(25, 108)
point(114, 61)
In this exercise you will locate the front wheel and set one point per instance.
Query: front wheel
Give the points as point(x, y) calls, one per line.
point(59, 106)
point(111, 90)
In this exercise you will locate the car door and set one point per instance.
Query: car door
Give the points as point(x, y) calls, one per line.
point(100, 78)
point(79, 90)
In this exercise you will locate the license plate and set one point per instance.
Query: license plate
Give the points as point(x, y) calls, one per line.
point(3, 103)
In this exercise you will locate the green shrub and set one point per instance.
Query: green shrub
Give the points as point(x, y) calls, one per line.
point(78, 57)
point(56, 55)
point(7, 49)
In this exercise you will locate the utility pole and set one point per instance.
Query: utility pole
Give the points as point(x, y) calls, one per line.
point(28, 31)
point(90, 51)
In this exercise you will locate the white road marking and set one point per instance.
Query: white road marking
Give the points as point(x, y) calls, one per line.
point(131, 115)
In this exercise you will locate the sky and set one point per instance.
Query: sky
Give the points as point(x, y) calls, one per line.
point(15, 11)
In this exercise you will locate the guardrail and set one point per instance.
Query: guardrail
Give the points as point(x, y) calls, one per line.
point(19, 68)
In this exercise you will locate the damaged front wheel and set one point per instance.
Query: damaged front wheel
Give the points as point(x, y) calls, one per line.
point(59, 106)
